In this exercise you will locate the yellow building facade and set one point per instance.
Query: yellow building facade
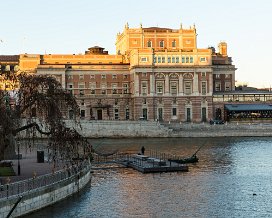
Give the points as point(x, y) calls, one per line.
point(156, 74)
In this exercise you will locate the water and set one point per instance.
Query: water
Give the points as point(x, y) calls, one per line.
point(232, 179)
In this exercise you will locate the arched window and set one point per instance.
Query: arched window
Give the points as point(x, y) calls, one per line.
point(149, 44)
point(174, 43)
point(161, 43)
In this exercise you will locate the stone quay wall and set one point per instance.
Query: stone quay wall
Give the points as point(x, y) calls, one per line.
point(130, 129)
point(36, 193)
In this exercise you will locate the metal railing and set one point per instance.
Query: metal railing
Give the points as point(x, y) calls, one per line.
point(33, 184)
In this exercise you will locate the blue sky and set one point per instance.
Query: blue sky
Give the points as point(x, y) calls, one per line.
point(69, 26)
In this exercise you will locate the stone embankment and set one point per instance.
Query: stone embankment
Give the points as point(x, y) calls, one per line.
point(129, 129)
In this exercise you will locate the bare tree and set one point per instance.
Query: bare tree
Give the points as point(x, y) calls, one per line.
point(38, 103)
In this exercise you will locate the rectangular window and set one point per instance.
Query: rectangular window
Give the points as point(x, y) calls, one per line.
point(159, 59)
point(187, 59)
point(103, 76)
point(159, 87)
point(227, 86)
point(125, 88)
point(173, 88)
point(163, 59)
point(144, 74)
point(127, 113)
point(114, 76)
point(103, 89)
point(183, 59)
point(92, 87)
point(143, 59)
point(191, 60)
point(82, 113)
point(204, 88)
point(217, 76)
point(203, 59)
point(174, 111)
point(177, 59)
point(155, 60)
point(203, 74)
point(173, 60)
point(144, 88)
point(70, 76)
point(81, 92)
point(114, 88)
point(81, 85)
point(227, 76)
point(116, 114)
point(81, 77)
point(169, 59)
point(92, 76)
point(125, 76)
point(217, 86)
point(188, 87)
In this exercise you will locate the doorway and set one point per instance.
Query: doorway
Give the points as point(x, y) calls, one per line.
point(99, 114)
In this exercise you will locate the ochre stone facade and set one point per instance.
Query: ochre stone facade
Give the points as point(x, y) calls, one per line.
point(156, 74)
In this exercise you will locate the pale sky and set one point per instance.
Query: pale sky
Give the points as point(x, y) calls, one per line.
point(72, 26)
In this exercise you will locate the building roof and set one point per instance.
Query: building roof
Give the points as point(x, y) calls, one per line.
point(244, 92)
point(9, 58)
point(248, 107)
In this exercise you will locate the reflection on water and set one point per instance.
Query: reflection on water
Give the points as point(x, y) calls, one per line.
point(223, 184)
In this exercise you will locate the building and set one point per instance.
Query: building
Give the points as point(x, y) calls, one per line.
point(156, 74)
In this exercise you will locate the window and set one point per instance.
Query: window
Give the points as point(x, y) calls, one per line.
point(169, 59)
point(227, 86)
point(217, 86)
point(173, 86)
point(103, 89)
point(92, 76)
point(227, 76)
point(203, 59)
point(159, 59)
point(159, 87)
point(187, 59)
point(70, 86)
point(177, 59)
point(144, 74)
point(125, 76)
point(203, 88)
point(114, 88)
point(144, 88)
point(161, 43)
point(81, 92)
point(127, 113)
point(81, 77)
point(125, 88)
point(116, 114)
point(203, 74)
point(174, 111)
point(103, 76)
point(174, 43)
point(217, 76)
point(183, 59)
point(92, 87)
point(155, 59)
point(149, 44)
point(143, 59)
point(70, 76)
point(188, 87)
point(191, 60)
point(173, 60)
point(114, 76)
point(163, 59)
point(81, 85)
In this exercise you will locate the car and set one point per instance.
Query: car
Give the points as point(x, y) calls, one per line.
point(213, 122)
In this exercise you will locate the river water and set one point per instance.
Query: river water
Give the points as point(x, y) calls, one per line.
point(233, 178)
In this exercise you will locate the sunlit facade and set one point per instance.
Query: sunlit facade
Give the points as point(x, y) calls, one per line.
point(156, 74)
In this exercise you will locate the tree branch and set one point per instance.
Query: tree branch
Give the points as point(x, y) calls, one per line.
point(14, 132)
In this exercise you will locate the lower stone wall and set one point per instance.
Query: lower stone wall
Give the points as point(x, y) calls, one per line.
point(45, 196)
point(126, 129)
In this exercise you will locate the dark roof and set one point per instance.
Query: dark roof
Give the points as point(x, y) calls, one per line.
point(248, 107)
point(9, 58)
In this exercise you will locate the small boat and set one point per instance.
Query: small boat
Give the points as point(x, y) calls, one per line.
point(192, 159)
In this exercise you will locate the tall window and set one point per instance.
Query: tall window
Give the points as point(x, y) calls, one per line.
point(191, 60)
point(127, 112)
point(218, 86)
point(92, 87)
point(81, 77)
point(159, 87)
point(183, 59)
point(174, 111)
point(149, 44)
point(204, 88)
point(161, 43)
point(173, 86)
point(227, 86)
point(114, 88)
point(81, 85)
point(125, 88)
point(116, 114)
point(103, 89)
point(174, 43)
point(188, 87)
point(144, 88)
